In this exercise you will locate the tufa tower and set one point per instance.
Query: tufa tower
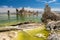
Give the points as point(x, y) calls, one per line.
point(48, 15)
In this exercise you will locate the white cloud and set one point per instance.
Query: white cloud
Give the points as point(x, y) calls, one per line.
point(6, 8)
point(55, 9)
point(52, 1)
point(12, 9)
point(45, 1)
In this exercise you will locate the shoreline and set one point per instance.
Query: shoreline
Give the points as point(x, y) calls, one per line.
point(21, 26)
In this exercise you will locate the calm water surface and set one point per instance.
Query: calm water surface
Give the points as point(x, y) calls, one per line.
point(4, 18)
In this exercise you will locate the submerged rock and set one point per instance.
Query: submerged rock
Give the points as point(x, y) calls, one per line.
point(54, 36)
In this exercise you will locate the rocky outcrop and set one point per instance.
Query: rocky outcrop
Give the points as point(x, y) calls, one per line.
point(48, 14)
point(54, 36)
point(53, 25)
point(11, 35)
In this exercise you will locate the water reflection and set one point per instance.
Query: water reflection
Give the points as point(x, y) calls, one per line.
point(13, 18)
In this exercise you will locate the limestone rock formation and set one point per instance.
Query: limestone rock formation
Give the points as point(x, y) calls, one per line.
point(54, 36)
point(53, 25)
point(48, 14)
point(27, 12)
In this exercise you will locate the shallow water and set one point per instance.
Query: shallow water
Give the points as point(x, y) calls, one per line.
point(4, 18)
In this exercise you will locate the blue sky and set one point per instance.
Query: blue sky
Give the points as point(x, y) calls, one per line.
point(33, 5)
point(30, 3)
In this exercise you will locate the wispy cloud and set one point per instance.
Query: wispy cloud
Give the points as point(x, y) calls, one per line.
point(45, 1)
point(6, 6)
point(56, 3)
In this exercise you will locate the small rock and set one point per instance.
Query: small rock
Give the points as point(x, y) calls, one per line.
point(40, 35)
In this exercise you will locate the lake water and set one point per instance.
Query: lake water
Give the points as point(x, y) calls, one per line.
point(4, 18)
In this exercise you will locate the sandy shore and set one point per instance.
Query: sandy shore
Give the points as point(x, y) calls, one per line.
point(10, 34)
